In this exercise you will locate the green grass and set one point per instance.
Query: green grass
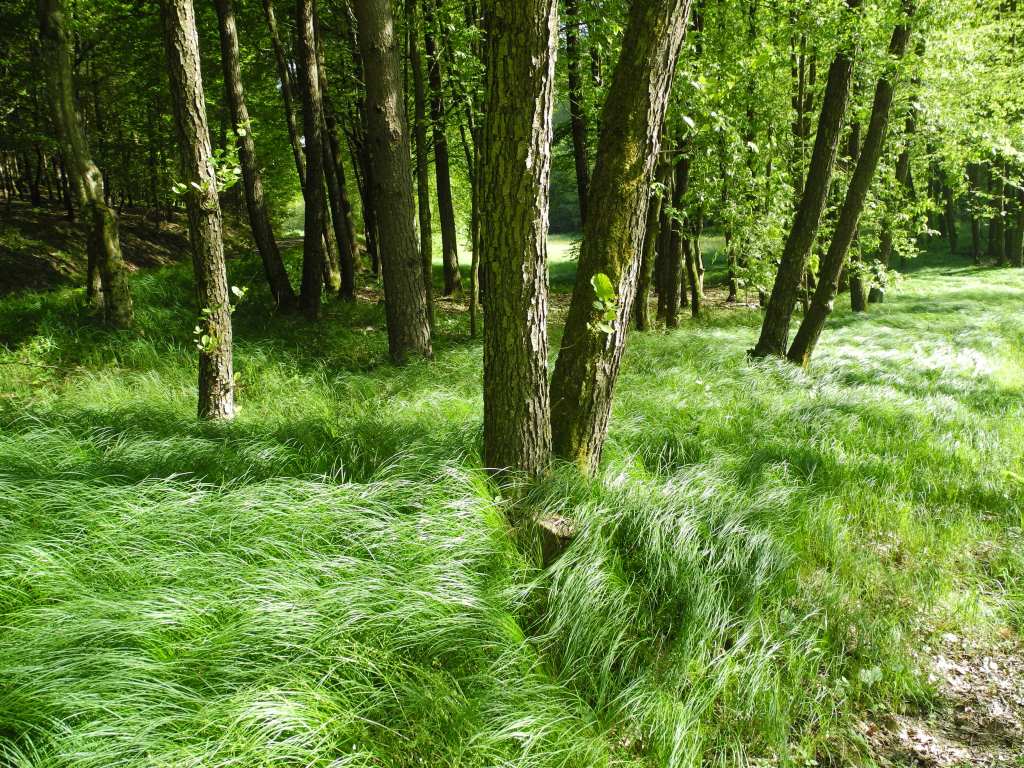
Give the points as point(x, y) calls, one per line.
point(331, 580)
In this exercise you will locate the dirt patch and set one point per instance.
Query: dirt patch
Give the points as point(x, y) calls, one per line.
point(980, 717)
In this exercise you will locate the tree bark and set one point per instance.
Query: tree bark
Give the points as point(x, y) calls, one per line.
point(630, 139)
point(793, 265)
point(405, 298)
point(422, 161)
point(442, 162)
point(642, 310)
point(849, 217)
point(259, 217)
point(102, 239)
point(858, 296)
point(515, 166)
point(313, 261)
point(216, 378)
point(577, 106)
point(675, 285)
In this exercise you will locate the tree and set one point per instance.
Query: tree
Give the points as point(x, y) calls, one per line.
point(628, 146)
point(199, 186)
point(793, 265)
point(388, 136)
point(422, 161)
point(442, 162)
point(102, 239)
point(577, 108)
point(259, 217)
point(853, 204)
point(515, 164)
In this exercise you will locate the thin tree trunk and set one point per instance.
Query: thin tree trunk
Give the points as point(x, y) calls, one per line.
point(103, 241)
point(577, 107)
point(630, 139)
point(793, 266)
point(422, 161)
point(442, 162)
point(674, 283)
point(216, 378)
point(259, 217)
point(858, 296)
point(515, 168)
point(828, 279)
point(642, 310)
point(405, 298)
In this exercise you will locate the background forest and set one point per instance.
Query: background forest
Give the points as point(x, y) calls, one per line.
point(322, 444)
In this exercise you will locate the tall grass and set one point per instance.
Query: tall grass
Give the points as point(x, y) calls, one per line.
point(331, 580)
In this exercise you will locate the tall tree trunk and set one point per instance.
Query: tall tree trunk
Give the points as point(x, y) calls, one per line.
point(285, 79)
point(849, 217)
point(792, 267)
point(663, 248)
point(515, 168)
point(642, 310)
point(103, 241)
point(259, 217)
point(675, 283)
point(422, 161)
point(442, 162)
point(630, 139)
point(313, 261)
point(405, 298)
point(216, 378)
point(858, 297)
point(577, 106)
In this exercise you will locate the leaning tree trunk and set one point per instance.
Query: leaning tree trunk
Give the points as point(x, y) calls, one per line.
point(577, 108)
point(422, 161)
point(102, 239)
point(853, 205)
point(630, 139)
point(312, 107)
point(259, 217)
point(388, 137)
point(216, 379)
point(514, 173)
point(793, 265)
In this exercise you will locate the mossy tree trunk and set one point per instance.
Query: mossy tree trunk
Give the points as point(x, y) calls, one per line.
point(514, 171)
point(793, 265)
point(216, 378)
point(628, 147)
point(391, 191)
point(103, 241)
point(259, 216)
point(853, 204)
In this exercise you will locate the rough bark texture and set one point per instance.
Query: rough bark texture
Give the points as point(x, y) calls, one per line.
point(259, 217)
point(630, 139)
point(216, 378)
point(422, 161)
point(853, 205)
point(781, 303)
point(102, 240)
point(515, 166)
point(387, 134)
point(577, 108)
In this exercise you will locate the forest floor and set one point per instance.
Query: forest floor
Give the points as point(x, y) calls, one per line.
point(774, 567)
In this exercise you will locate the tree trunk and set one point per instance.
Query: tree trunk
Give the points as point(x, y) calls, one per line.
point(577, 107)
point(642, 310)
point(630, 139)
point(216, 378)
point(422, 161)
point(849, 217)
point(285, 79)
point(695, 263)
point(405, 298)
point(674, 282)
point(442, 163)
point(858, 297)
point(259, 217)
point(514, 173)
point(103, 241)
point(313, 261)
point(793, 265)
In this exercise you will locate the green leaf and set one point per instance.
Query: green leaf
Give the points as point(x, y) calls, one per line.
point(603, 287)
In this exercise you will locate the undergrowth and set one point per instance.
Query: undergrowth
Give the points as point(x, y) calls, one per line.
point(332, 580)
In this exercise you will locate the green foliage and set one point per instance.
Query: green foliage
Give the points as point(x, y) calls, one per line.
point(330, 580)
point(606, 303)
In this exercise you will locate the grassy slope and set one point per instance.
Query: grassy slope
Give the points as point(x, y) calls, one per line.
point(330, 580)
